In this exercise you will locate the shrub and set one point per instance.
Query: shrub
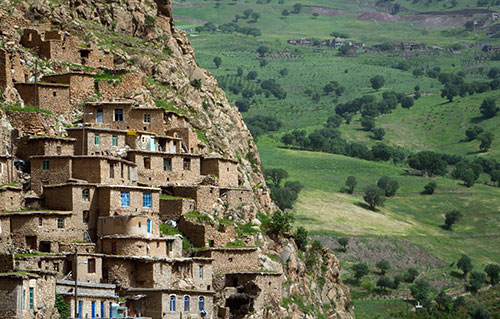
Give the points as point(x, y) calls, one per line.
point(62, 307)
point(351, 182)
point(343, 242)
point(301, 238)
point(374, 196)
point(410, 275)
point(430, 188)
point(476, 281)
point(451, 218)
point(360, 270)
point(389, 185)
point(280, 223)
point(383, 266)
point(378, 133)
point(150, 21)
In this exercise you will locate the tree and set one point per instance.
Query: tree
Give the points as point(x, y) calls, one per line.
point(344, 241)
point(420, 290)
point(465, 265)
point(62, 307)
point(217, 61)
point(493, 73)
point(288, 139)
point(381, 152)
point(262, 51)
point(488, 108)
point(410, 275)
point(262, 63)
point(374, 196)
point(384, 282)
point(276, 175)
point(378, 133)
point(451, 218)
point(428, 162)
point(247, 13)
point(430, 188)
point(493, 271)
point(297, 8)
point(243, 105)
point(469, 25)
point(479, 313)
point(284, 72)
point(301, 238)
point(351, 182)
point(255, 16)
point(280, 223)
point(315, 15)
point(389, 185)
point(407, 102)
point(473, 132)
point(239, 72)
point(285, 13)
point(334, 121)
point(344, 50)
point(199, 29)
point(360, 270)
point(377, 82)
point(495, 176)
point(367, 123)
point(443, 301)
point(476, 281)
point(383, 266)
point(486, 139)
point(252, 75)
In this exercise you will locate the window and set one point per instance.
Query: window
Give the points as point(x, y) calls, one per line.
point(172, 303)
point(92, 309)
point(125, 197)
point(186, 304)
point(167, 164)
point(86, 194)
point(121, 170)
point(91, 265)
point(118, 115)
point(114, 140)
point(99, 116)
point(111, 170)
point(86, 214)
point(32, 298)
point(102, 309)
point(23, 302)
point(46, 165)
point(201, 271)
point(149, 226)
point(147, 118)
point(187, 164)
point(146, 200)
point(58, 150)
point(97, 139)
point(201, 303)
point(60, 222)
point(54, 93)
point(40, 221)
point(147, 162)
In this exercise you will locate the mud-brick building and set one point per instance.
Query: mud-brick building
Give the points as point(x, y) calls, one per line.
point(44, 145)
point(11, 198)
point(125, 115)
point(81, 84)
point(204, 234)
point(5, 240)
point(236, 197)
point(5, 70)
point(56, 264)
point(172, 208)
point(47, 96)
point(94, 299)
point(168, 303)
point(205, 196)
point(175, 120)
point(189, 139)
point(128, 225)
point(44, 230)
point(58, 169)
point(7, 170)
point(161, 168)
point(231, 259)
point(133, 245)
point(246, 291)
point(226, 170)
point(26, 295)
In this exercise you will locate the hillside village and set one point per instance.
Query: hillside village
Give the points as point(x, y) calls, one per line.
point(82, 214)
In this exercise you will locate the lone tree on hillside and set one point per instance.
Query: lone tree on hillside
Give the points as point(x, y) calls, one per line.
point(351, 182)
point(476, 281)
point(430, 188)
point(360, 270)
point(247, 13)
point(255, 16)
point(486, 139)
point(465, 265)
point(389, 185)
point(301, 238)
point(489, 108)
point(217, 61)
point(315, 15)
point(276, 175)
point(374, 196)
point(407, 102)
point(420, 291)
point(285, 13)
point(493, 272)
point(451, 218)
point(428, 162)
point(297, 8)
point(252, 75)
point(473, 132)
point(262, 51)
point(378, 133)
point(344, 241)
point(384, 283)
point(383, 266)
point(377, 82)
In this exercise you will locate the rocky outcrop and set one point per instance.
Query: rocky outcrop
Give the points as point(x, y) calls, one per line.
point(162, 55)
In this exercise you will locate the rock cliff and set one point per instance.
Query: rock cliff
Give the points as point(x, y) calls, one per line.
point(143, 40)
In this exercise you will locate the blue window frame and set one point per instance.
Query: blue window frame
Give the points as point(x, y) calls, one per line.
point(201, 303)
point(186, 304)
point(149, 226)
point(167, 164)
point(45, 165)
point(80, 309)
point(102, 309)
point(32, 299)
point(146, 200)
point(201, 271)
point(99, 116)
point(114, 140)
point(125, 197)
point(172, 303)
point(92, 310)
point(97, 139)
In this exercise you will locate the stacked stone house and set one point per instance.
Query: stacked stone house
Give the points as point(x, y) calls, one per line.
point(87, 225)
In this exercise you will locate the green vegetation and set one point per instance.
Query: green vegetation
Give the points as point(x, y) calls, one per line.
point(17, 108)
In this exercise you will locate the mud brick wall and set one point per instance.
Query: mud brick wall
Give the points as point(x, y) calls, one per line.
point(206, 235)
point(129, 225)
point(5, 73)
point(81, 86)
point(226, 171)
point(11, 199)
point(173, 208)
point(121, 88)
point(44, 146)
point(54, 98)
point(5, 242)
point(205, 196)
point(6, 262)
point(110, 201)
point(236, 198)
point(232, 259)
point(10, 293)
point(33, 123)
point(60, 170)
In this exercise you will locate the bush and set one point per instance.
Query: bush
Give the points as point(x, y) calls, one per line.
point(384, 282)
point(420, 291)
point(62, 307)
point(389, 185)
point(280, 223)
point(360, 270)
point(243, 105)
point(430, 188)
point(476, 281)
point(451, 218)
point(343, 242)
point(378, 133)
point(383, 266)
point(410, 275)
point(351, 182)
point(367, 123)
point(374, 196)
point(301, 238)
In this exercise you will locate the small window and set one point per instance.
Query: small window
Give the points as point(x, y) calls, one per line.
point(60, 222)
point(91, 265)
point(40, 221)
point(54, 93)
point(86, 194)
point(32, 298)
point(125, 199)
point(118, 115)
point(147, 162)
point(97, 139)
point(85, 216)
point(114, 140)
point(111, 170)
point(147, 118)
point(172, 303)
point(99, 116)
point(186, 304)
point(167, 164)
point(46, 165)
point(23, 303)
point(149, 226)
point(58, 150)
point(187, 164)
point(201, 302)
point(121, 170)
point(147, 200)
point(201, 271)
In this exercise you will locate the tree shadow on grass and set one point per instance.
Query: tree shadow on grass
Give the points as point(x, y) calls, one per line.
point(477, 119)
point(351, 281)
point(475, 152)
point(365, 206)
point(457, 274)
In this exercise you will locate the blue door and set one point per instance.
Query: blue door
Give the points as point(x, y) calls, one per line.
point(102, 309)
point(80, 308)
point(93, 310)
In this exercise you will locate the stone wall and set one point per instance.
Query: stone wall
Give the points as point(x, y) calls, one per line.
point(31, 146)
point(236, 197)
point(125, 87)
point(33, 123)
point(140, 246)
point(52, 264)
point(11, 198)
point(5, 73)
point(5, 242)
point(51, 97)
point(174, 208)
point(225, 170)
point(81, 85)
point(206, 235)
point(129, 225)
point(205, 196)
point(110, 200)
point(59, 171)
point(105, 138)
point(228, 260)
point(6, 263)
point(6, 170)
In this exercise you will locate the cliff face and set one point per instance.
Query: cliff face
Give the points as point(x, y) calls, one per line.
point(143, 39)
